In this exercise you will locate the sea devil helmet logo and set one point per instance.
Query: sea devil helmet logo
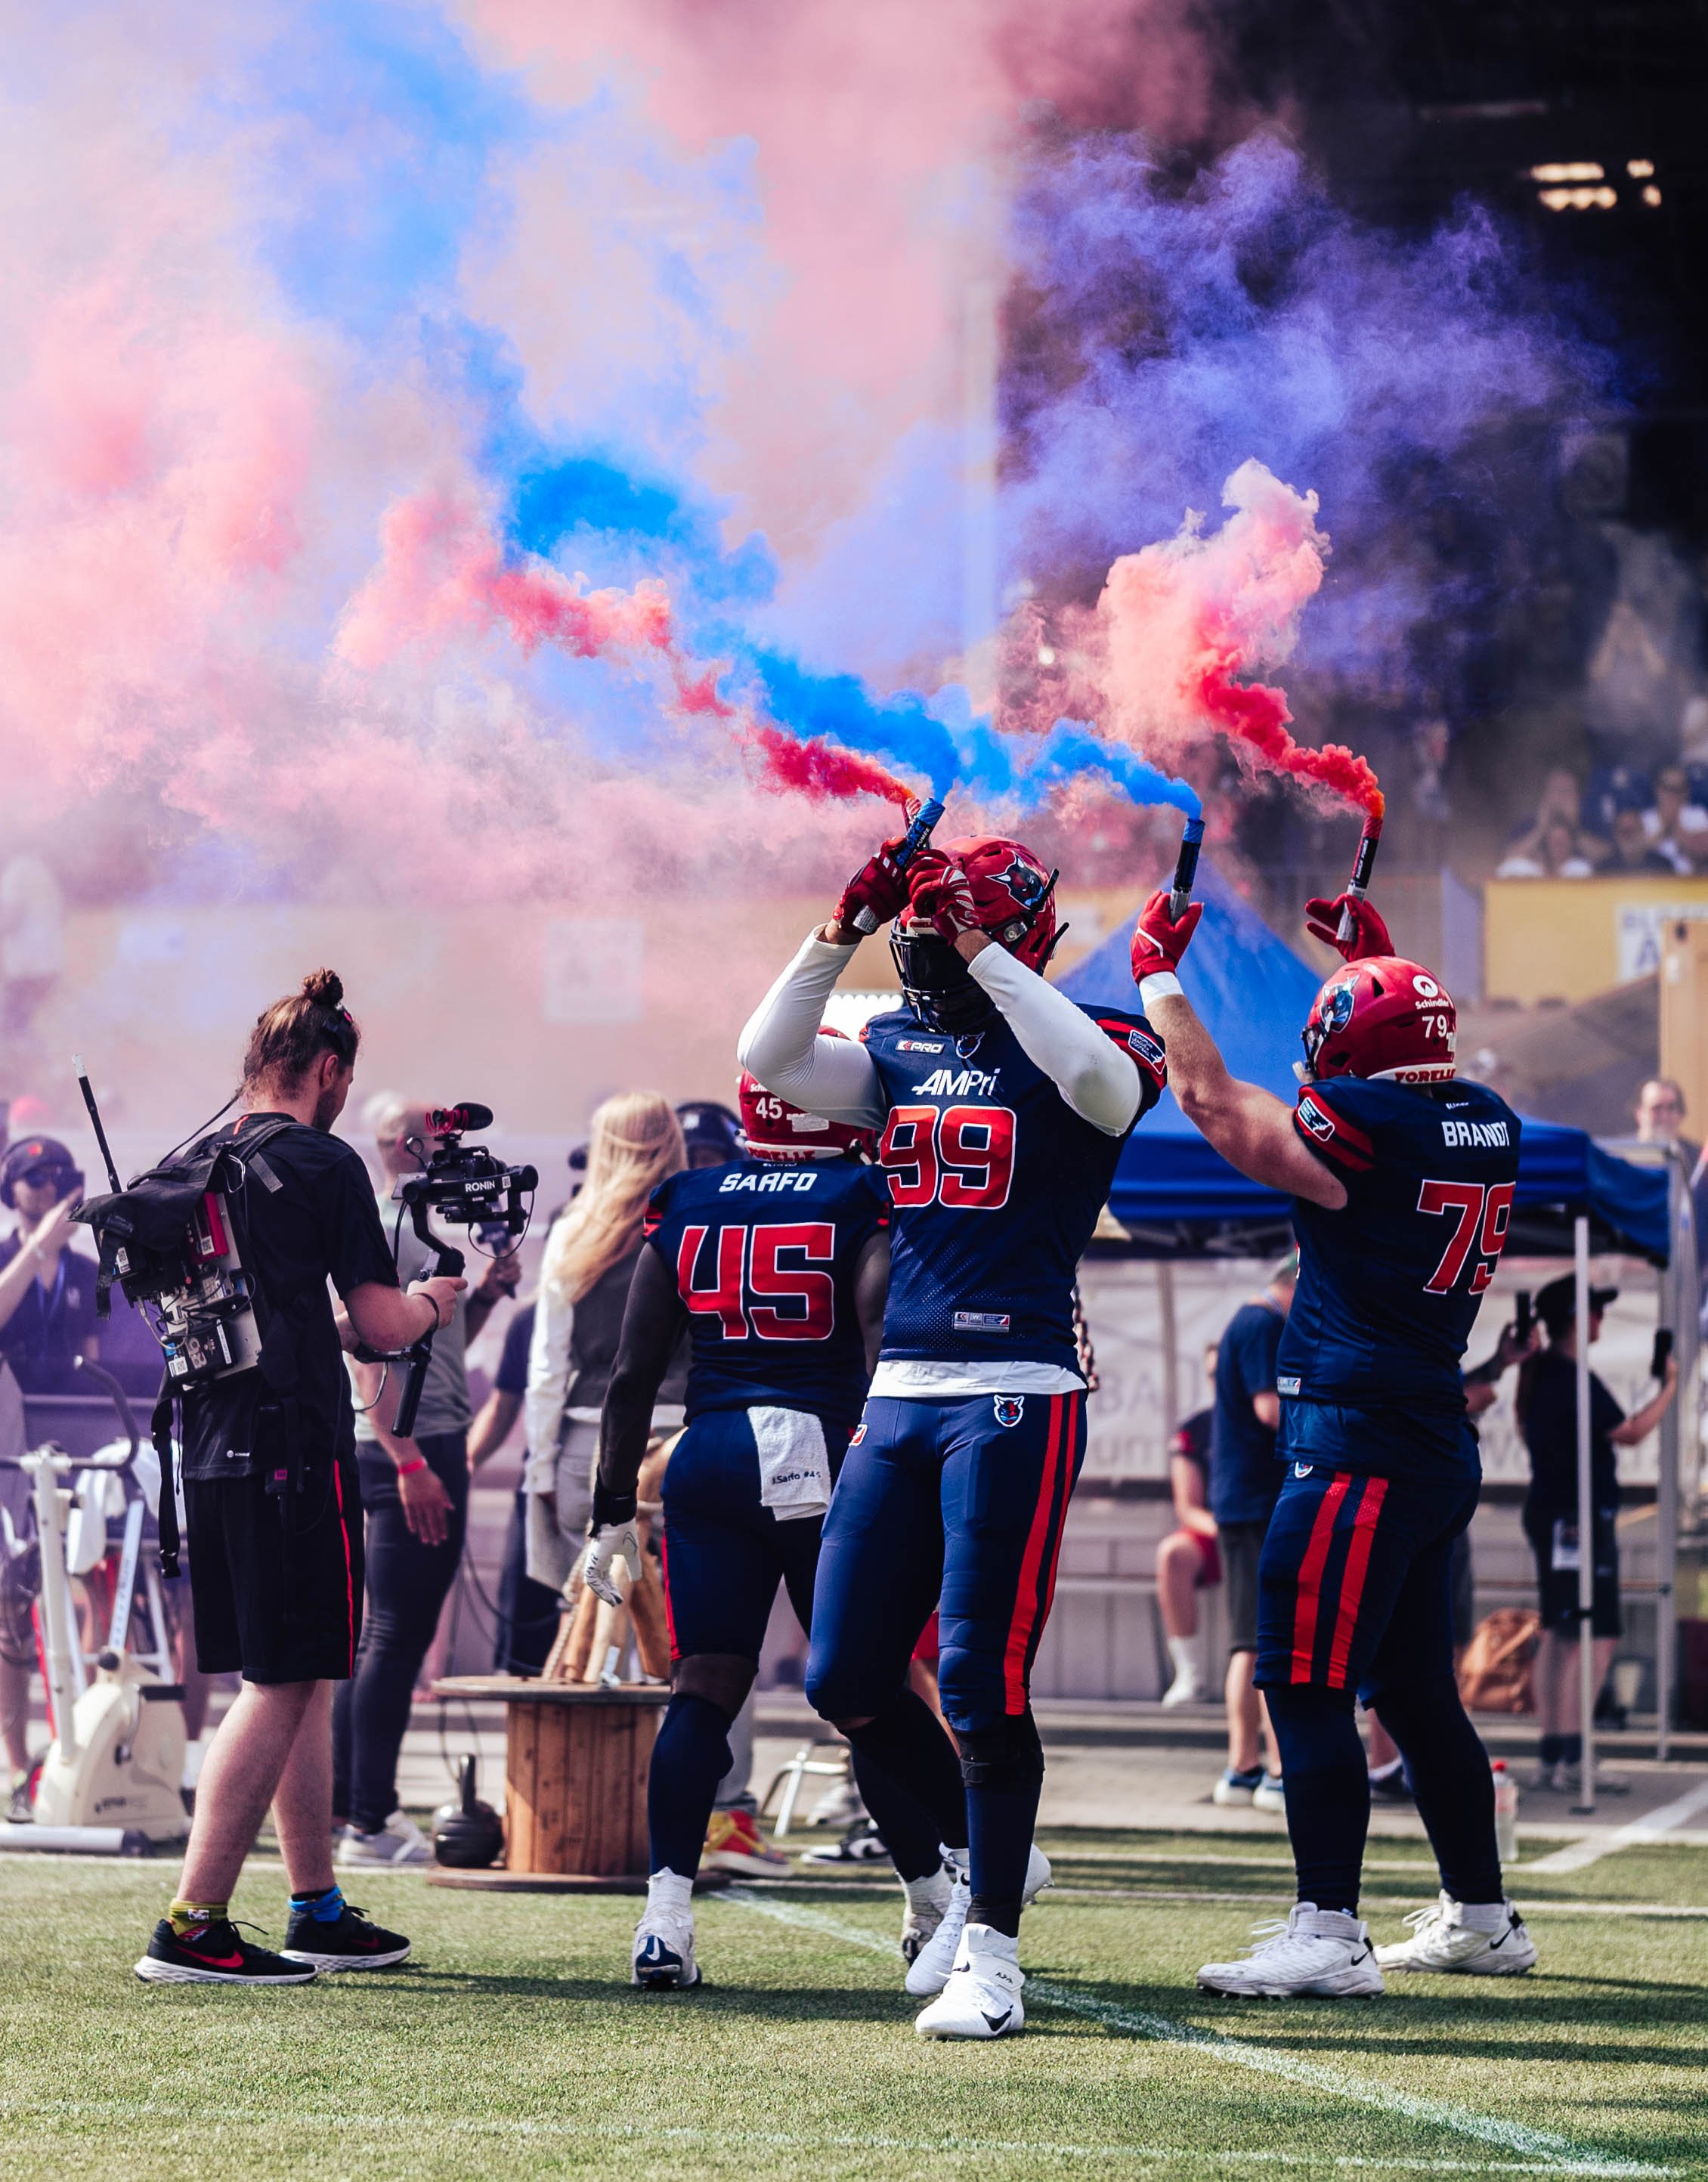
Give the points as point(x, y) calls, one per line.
point(1027, 886)
point(1338, 1003)
point(1010, 1409)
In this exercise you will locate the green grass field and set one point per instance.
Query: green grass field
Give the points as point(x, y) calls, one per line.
point(513, 2043)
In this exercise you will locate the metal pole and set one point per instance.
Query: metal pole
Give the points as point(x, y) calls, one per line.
point(1674, 1290)
point(1167, 1340)
point(1586, 1513)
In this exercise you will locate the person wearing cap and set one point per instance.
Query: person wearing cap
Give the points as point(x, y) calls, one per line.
point(1547, 1408)
point(710, 1134)
point(46, 1288)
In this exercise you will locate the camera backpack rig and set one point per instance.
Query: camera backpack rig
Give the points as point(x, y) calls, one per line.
point(176, 1242)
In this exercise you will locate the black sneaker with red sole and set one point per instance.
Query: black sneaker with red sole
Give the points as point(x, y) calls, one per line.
point(215, 1954)
point(350, 1941)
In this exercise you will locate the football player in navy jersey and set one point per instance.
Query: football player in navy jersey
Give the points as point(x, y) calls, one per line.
point(1401, 1177)
point(778, 1265)
point(1003, 1107)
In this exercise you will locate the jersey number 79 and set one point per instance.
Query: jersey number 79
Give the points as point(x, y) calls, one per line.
point(1483, 1211)
point(754, 1292)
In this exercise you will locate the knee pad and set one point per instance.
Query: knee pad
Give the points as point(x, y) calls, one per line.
point(722, 1679)
point(1008, 1755)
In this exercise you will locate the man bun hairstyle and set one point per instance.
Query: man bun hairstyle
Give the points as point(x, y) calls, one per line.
point(290, 1037)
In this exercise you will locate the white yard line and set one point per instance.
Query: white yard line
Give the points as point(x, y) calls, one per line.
point(386, 2126)
point(1534, 1908)
point(1655, 1827)
point(1510, 2136)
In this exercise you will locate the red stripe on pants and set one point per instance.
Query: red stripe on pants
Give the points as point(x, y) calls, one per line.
point(663, 1571)
point(1352, 1580)
point(1070, 1425)
point(1025, 1613)
point(349, 1572)
point(1311, 1577)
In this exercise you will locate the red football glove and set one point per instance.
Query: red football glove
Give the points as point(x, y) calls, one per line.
point(880, 886)
point(1369, 933)
point(942, 895)
point(1158, 942)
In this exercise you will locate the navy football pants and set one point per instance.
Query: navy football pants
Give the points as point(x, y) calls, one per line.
point(1356, 1597)
point(725, 1553)
point(957, 1505)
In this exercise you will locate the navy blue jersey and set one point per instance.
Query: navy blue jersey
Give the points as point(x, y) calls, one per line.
point(997, 1183)
point(1245, 1476)
point(1389, 1286)
point(764, 1255)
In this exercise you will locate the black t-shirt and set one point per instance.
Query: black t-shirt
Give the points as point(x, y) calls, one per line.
point(321, 1223)
point(47, 1332)
point(1548, 1418)
point(512, 1365)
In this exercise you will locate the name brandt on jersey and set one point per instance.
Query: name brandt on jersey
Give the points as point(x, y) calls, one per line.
point(783, 1179)
point(1474, 1133)
point(957, 1083)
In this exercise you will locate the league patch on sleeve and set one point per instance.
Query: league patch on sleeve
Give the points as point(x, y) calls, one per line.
point(1142, 1043)
point(1332, 1134)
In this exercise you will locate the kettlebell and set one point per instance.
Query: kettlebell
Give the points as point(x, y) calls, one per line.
point(467, 1834)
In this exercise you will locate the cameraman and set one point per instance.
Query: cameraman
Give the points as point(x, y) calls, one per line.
point(414, 1498)
point(279, 1576)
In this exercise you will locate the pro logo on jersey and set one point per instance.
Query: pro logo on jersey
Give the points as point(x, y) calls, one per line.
point(1009, 1408)
point(918, 1046)
point(1316, 1120)
point(982, 1321)
point(858, 1434)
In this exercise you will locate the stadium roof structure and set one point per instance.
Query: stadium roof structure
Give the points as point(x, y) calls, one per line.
point(1176, 1197)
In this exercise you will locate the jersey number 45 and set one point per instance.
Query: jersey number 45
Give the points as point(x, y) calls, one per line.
point(961, 1156)
point(755, 1293)
point(1483, 1211)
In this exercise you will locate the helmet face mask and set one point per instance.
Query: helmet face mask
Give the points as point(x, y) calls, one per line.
point(936, 983)
point(1384, 1019)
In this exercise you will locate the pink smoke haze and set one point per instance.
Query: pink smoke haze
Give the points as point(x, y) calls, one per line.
point(1184, 625)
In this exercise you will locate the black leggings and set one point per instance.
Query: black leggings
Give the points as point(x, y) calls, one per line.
point(406, 1586)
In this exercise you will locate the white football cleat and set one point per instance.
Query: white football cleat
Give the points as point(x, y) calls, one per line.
point(1324, 1951)
point(663, 1954)
point(1441, 1940)
point(929, 1971)
point(982, 1998)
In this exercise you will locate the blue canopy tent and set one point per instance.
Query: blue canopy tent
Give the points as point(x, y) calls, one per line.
point(1176, 1197)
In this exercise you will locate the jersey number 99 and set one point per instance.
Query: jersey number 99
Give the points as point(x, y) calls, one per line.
point(754, 1293)
point(1483, 1211)
point(958, 1157)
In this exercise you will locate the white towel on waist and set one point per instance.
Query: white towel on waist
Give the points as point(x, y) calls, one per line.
point(793, 1463)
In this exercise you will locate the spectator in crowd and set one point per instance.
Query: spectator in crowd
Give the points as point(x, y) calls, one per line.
point(415, 1500)
point(1187, 1559)
point(590, 1255)
point(527, 1610)
point(1557, 842)
point(1631, 851)
point(1676, 827)
point(1244, 1479)
point(1659, 1116)
point(1554, 852)
point(1547, 1406)
point(710, 1134)
point(46, 1288)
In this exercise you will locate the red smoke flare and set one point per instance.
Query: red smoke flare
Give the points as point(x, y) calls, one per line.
point(819, 768)
point(1257, 715)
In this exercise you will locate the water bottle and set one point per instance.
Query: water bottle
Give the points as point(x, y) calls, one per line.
point(1506, 1812)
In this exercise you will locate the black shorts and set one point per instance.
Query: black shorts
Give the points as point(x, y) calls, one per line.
point(1557, 1588)
point(276, 1582)
point(1241, 1544)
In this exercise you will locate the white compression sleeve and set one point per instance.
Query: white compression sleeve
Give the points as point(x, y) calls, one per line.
point(1097, 1080)
point(779, 1044)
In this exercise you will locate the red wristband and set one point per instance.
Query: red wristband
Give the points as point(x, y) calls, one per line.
point(409, 1469)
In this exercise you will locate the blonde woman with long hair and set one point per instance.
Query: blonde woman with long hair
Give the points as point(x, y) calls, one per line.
point(590, 1255)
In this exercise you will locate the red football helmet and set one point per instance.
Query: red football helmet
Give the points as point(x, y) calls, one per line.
point(773, 1129)
point(1014, 897)
point(1383, 1018)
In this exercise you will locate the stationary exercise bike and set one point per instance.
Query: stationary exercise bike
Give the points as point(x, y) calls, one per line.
point(111, 1781)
